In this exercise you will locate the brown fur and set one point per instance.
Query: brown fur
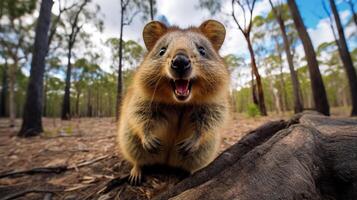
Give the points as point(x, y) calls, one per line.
point(155, 127)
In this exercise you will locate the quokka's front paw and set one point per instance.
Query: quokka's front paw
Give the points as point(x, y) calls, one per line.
point(135, 176)
point(188, 146)
point(151, 144)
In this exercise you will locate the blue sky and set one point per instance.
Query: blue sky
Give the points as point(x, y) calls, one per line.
point(312, 10)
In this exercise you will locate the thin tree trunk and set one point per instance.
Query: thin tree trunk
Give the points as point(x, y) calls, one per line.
point(151, 10)
point(66, 107)
point(317, 85)
point(77, 103)
point(12, 79)
point(346, 59)
point(254, 90)
point(120, 81)
point(4, 89)
point(351, 4)
point(294, 79)
point(89, 103)
point(45, 114)
point(261, 101)
point(32, 116)
point(284, 98)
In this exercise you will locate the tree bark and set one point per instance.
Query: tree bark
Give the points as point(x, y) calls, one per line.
point(12, 80)
point(314, 159)
point(254, 90)
point(346, 59)
point(151, 9)
point(294, 79)
point(32, 116)
point(261, 101)
point(4, 90)
point(317, 85)
point(120, 67)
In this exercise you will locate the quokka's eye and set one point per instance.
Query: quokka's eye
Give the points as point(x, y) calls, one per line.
point(202, 51)
point(162, 51)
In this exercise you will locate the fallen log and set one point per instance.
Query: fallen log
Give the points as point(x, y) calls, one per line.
point(315, 159)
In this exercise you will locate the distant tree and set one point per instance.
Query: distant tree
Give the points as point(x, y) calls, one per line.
point(317, 85)
point(245, 26)
point(351, 4)
point(4, 88)
point(77, 17)
point(346, 58)
point(279, 16)
point(14, 39)
point(32, 115)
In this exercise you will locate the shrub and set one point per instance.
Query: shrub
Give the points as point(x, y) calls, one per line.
point(253, 110)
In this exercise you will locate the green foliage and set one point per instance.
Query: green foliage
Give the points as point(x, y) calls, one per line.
point(252, 110)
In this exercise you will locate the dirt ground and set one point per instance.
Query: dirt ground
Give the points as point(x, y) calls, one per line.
point(87, 146)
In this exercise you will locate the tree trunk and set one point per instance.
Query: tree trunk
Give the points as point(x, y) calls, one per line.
point(32, 116)
point(254, 90)
point(120, 75)
point(317, 85)
point(4, 89)
point(66, 106)
point(275, 96)
point(151, 9)
point(314, 159)
point(89, 103)
point(261, 101)
point(351, 4)
point(77, 103)
point(45, 94)
point(284, 94)
point(12, 79)
point(294, 79)
point(346, 59)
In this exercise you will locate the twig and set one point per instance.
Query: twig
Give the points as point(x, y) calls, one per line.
point(114, 183)
point(26, 191)
point(56, 170)
point(88, 162)
point(52, 169)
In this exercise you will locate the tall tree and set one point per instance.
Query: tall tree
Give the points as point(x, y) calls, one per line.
point(32, 116)
point(77, 17)
point(75, 28)
point(246, 30)
point(317, 85)
point(128, 10)
point(346, 58)
point(14, 39)
point(278, 12)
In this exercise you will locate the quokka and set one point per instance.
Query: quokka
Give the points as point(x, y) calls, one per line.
point(177, 105)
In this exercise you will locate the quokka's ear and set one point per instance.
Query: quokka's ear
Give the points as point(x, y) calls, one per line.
point(152, 32)
point(214, 31)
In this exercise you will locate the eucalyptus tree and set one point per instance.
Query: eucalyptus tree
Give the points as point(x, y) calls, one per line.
point(281, 15)
point(15, 34)
point(346, 58)
point(32, 114)
point(75, 19)
point(317, 85)
point(246, 8)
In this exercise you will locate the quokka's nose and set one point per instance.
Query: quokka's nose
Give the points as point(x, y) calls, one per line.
point(181, 64)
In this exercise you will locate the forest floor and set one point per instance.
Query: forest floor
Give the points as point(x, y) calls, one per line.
point(87, 147)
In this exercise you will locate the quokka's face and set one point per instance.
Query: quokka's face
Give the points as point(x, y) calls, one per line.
point(183, 65)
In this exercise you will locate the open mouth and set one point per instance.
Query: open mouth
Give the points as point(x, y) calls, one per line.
point(181, 88)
